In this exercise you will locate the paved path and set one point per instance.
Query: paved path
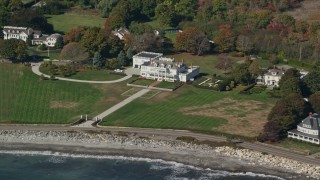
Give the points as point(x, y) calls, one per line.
point(170, 133)
point(122, 103)
point(36, 66)
point(114, 108)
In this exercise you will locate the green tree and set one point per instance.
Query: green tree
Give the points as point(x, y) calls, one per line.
point(13, 49)
point(291, 85)
point(21, 50)
point(97, 60)
point(140, 28)
point(106, 6)
point(289, 111)
point(122, 59)
point(290, 73)
point(241, 73)
point(30, 18)
point(312, 81)
point(59, 43)
point(255, 69)
point(187, 8)
point(166, 14)
point(314, 100)
point(112, 63)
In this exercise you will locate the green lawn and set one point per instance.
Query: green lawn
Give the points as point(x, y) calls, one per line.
point(166, 110)
point(172, 36)
point(65, 22)
point(97, 75)
point(168, 85)
point(299, 146)
point(27, 99)
point(143, 82)
point(206, 62)
point(156, 24)
point(94, 75)
point(161, 113)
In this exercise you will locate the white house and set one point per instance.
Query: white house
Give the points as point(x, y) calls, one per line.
point(23, 33)
point(52, 39)
point(121, 32)
point(308, 130)
point(271, 78)
point(11, 32)
point(154, 66)
point(143, 57)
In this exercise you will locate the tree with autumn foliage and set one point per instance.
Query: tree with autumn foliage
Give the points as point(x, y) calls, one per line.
point(74, 35)
point(286, 114)
point(314, 100)
point(225, 38)
point(114, 22)
point(192, 40)
point(224, 62)
point(74, 51)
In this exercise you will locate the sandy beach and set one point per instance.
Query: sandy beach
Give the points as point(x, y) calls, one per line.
point(156, 147)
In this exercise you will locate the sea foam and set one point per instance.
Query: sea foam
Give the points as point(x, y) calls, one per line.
point(157, 164)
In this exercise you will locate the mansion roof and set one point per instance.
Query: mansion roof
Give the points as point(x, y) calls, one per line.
point(275, 72)
point(311, 122)
point(149, 55)
point(17, 30)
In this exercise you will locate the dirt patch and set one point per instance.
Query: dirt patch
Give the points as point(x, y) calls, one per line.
point(63, 104)
point(154, 84)
point(245, 117)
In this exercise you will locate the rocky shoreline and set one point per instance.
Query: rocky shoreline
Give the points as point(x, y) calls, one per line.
point(222, 157)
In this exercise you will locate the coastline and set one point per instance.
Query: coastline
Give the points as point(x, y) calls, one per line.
point(99, 144)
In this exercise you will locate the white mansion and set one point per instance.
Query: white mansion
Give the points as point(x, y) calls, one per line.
point(155, 66)
point(271, 78)
point(23, 33)
point(308, 130)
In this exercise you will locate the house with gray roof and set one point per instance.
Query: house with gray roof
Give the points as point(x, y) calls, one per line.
point(308, 130)
point(155, 66)
point(121, 32)
point(12, 32)
point(23, 33)
point(271, 77)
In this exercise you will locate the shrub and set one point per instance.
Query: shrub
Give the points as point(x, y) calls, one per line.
point(42, 47)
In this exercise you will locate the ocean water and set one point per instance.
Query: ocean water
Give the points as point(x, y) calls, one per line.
point(31, 165)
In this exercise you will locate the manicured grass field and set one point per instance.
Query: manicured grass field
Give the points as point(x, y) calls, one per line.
point(143, 82)
point(299, 146)
point(97, 75)
point(24, 98)
point(196, 109)
point(164, 84)
point(159, 112)
point(64, 22)
point(94, 75)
